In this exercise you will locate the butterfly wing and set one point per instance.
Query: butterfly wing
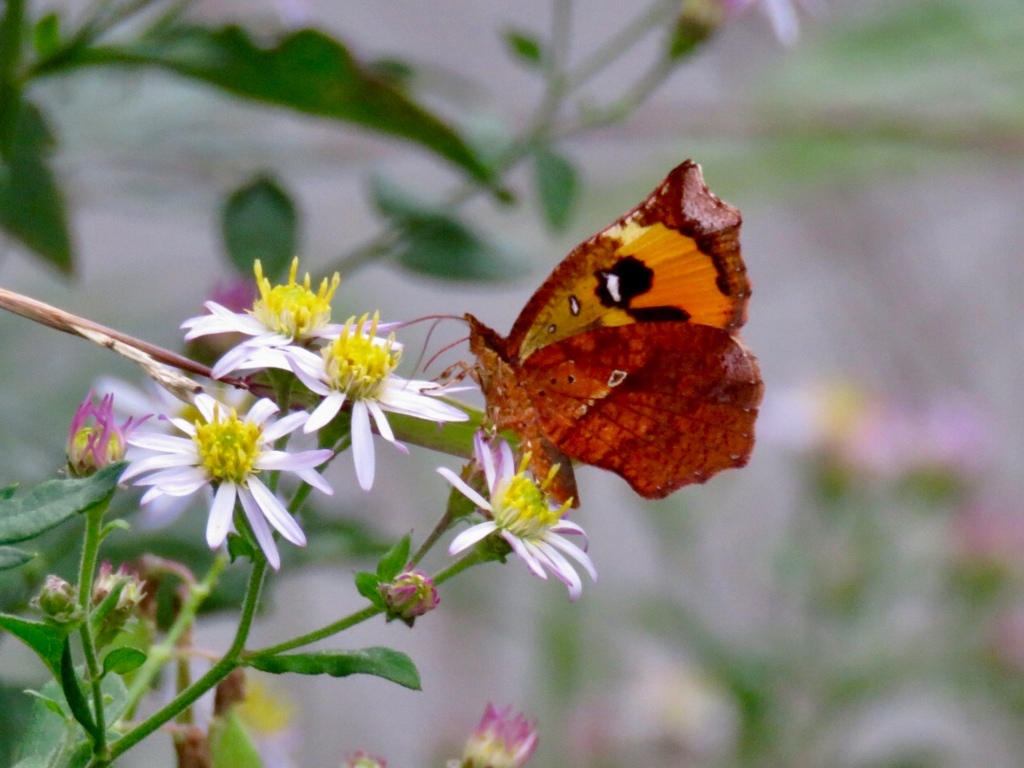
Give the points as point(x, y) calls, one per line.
point(663, 404)
point(675, 257)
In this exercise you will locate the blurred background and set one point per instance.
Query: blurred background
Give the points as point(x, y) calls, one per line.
point(854, 597)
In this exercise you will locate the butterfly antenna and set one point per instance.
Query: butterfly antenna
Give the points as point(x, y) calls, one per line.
point(437, 319)
point(442, 350)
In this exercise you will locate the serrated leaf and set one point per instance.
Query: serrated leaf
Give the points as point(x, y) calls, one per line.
point(259, 222)
point(52, 502)
point(557, 186)
point(381, 662)
point(306, 70)
point(394, 559)
point(12, 558)
point(31, 203)
point(121, 661)
point(367, 586)
point(524, 46)
point(46, 640)
point(231, 745)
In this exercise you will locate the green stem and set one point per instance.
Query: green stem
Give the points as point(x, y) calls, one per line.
point(229, 662)
point(359, 616)
point(311, 637)
point(86, 571)
point(161, 654)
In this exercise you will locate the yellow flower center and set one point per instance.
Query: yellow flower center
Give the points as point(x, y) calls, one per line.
point(228, 448)
point(293, 310)
point(521, 506)
point(357, 363)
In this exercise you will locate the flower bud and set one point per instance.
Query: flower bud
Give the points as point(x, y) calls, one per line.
point(112, 612)
point(57, 600)
point(95, 440)
point(411, 594)
point(501, 740)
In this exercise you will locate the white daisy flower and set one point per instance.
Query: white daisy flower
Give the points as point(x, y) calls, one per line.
point(228, 453)
point(357, 367)
point(283, 315)
point(521, 512)
point(132, 400)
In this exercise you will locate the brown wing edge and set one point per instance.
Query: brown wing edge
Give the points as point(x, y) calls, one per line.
point(683, 202)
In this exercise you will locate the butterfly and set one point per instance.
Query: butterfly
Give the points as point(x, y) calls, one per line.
point(628, 356)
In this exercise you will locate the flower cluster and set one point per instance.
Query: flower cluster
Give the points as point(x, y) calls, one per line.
point(235, 455)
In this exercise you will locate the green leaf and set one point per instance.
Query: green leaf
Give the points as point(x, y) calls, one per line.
point(31, 204)
point(231, 744)
point(12, 558)
point(259, 222)
point(46, 35)
point(239, 547)
point(382, 662)
point(557, 186)
point(52, 502)
point(123, 660)
point(367, 585)
point(305, 70)
point(7, 491)
point(54, 738)
point(394, 559)
point(73, 693)
point(524, 46)
point(47, 640)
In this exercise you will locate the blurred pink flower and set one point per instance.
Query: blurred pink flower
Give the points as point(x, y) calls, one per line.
point(781, 13)
point(871, 435)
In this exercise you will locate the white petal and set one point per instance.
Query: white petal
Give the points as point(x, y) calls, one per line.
point(411, 403)
point(362, 445)
point(561, 567)
point(324, 412)
point(262, 410)
point(471, 536)
point(506, 461)
point(574, 551)
point(380, 420)
point(464, 488)
point(276, 514)
point(310, 371)
point(315, 479)
point(260, 529)
point(293, 461)
point(156, 441)
point(177, 481)
point(284, 426)
point(526, 554)
point(186, 427)
point(161, 461)
point(221, 512)
point(485, 457)
point(206, 405)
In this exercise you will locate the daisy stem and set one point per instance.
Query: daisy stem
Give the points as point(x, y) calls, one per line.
point(87, 569)
point(311, 637)
point(228, 663)
point(161, 654)
point(451, 513)
point(473, 558)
